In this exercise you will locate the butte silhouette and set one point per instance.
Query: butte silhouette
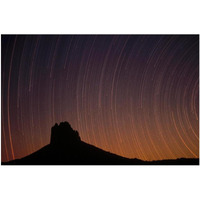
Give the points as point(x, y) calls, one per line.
point(66, 148)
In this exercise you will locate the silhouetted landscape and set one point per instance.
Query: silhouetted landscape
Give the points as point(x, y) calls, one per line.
point(66, 148)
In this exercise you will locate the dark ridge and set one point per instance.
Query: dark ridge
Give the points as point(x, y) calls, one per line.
point(66, 148)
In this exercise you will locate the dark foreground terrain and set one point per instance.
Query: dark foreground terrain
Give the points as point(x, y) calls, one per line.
point(66, 148)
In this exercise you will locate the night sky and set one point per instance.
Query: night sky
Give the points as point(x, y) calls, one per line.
point(134, 95)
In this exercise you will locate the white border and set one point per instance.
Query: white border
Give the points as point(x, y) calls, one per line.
point(99, 17)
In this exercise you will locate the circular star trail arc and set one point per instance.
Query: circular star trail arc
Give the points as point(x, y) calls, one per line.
point(133, 95)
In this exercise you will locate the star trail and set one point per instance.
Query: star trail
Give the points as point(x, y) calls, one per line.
point(134, 95)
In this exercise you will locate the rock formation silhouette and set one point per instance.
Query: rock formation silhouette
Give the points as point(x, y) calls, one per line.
point(66, 148)
point(64, 134)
